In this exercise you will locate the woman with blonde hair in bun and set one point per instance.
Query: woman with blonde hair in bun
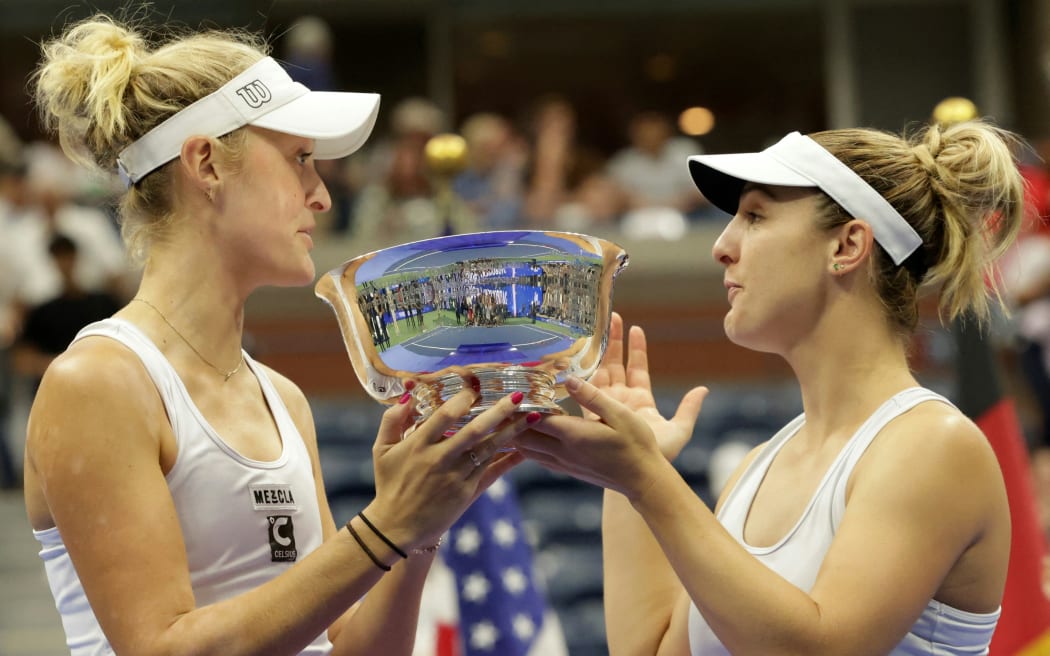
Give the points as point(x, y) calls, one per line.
point(876, 522)
point(173, 481)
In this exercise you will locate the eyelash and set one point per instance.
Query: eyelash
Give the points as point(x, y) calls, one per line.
point(304, 158)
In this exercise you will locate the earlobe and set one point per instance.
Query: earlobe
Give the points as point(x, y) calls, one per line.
point(197, 161)
point(854, 245)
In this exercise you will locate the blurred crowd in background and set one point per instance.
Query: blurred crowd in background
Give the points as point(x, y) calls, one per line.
point(62, 262)
point(532, 170)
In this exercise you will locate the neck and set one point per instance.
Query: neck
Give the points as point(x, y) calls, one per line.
point(190, 303)
point(846, 368)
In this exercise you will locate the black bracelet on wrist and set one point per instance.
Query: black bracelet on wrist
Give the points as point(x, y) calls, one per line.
point(382, 537)
point(379, 563)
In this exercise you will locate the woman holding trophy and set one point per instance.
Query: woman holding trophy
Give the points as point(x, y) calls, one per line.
point(173, 481)
point(877, 521)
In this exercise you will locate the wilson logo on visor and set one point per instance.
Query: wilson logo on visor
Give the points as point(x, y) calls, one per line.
point(255, 93)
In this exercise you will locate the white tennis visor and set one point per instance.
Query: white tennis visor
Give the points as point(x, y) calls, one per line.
point(798, 161)
point(263, 95)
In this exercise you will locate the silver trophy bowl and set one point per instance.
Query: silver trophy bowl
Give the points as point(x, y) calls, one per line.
point(513, 310)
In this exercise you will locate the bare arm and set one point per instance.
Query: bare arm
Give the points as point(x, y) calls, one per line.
point(385, 621)
point(641, 589)
point(920, 525)
point(94, 445)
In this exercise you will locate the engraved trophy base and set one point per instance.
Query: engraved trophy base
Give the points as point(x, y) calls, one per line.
point(496, 382)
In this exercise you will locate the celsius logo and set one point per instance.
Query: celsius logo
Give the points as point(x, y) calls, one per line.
point(282, 539)
point(255, 93)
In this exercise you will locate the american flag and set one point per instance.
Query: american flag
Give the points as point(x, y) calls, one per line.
point(502, 610)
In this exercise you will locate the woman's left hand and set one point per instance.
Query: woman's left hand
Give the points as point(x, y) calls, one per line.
point(619, 450)
point(630, 384)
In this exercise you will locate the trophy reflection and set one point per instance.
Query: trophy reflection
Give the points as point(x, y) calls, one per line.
point(516, 310)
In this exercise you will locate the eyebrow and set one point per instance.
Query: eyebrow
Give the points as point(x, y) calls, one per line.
point(765, 190)
point(760, 188)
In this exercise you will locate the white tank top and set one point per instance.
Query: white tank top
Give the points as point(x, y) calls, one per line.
point(940, 630)
point(243, 521)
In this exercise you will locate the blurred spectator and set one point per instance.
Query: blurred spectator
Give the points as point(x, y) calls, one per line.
point(53, 197)
point(567, 186)
point(492, 186)
point(1026, 282)
point(652, 169)
point(1025, 270)
point(308, 53)
point(596, 201)
point(12, 176)
point(48, 204)
point(397, 203)
point(50, 327)
point(652, 175)
point(12, 185)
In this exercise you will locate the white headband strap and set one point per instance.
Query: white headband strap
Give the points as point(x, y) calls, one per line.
point(255, 92)
point(809, 159)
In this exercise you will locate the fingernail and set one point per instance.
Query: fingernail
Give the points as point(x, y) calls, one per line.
point(533, 417)
point(475, 384)
point(572, 383)
point(410, 385)
point(405, 397)
point(516, 397)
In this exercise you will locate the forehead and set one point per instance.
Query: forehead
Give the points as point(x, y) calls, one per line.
point(280, 140)
point(776, 193)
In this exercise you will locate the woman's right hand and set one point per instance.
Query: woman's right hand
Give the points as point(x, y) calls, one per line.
point(426, 479)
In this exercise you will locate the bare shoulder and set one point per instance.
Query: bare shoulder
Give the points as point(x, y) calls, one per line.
point(939, 437)
point(943, 453)
point(929, 486)
point(96, 401)
point(96, 382)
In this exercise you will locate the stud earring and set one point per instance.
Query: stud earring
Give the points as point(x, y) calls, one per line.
point(836, 266)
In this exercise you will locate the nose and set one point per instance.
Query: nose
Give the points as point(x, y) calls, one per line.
point(724, 248)
point(317, 196)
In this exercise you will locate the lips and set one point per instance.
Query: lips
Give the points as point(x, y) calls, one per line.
point(732, 289)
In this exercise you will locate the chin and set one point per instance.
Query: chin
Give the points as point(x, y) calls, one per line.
point(300, 278)
point(751, 340)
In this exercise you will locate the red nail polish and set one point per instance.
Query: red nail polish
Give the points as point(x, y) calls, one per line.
point(516, 397)
point(410, 385)
point(533, 417)
point(405, 397)
point(475, 384)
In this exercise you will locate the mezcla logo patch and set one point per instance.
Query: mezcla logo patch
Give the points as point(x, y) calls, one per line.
point(272, 496)
point(282, 539)
point(255, 93)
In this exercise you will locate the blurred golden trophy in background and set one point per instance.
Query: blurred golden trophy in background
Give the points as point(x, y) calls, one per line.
point(446, 156)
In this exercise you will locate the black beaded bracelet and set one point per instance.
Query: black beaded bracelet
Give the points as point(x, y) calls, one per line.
point(382, 537)
point(379, 563)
